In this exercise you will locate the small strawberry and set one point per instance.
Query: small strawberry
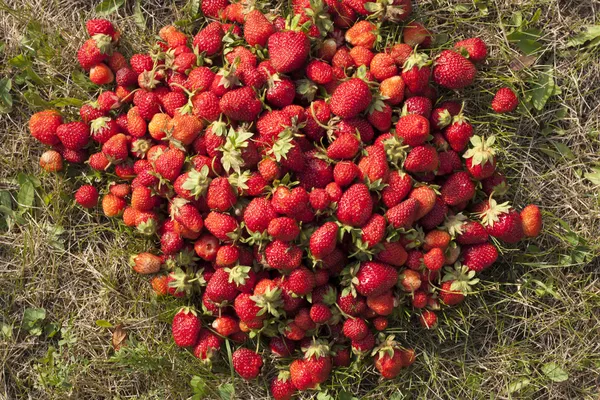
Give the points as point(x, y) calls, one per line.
point(416, 72)
point(362, 33)
point(428, 319)
point(145, 263)
point(505, 101)
point(116, 149)
point(283, 228)
point(392, 253)
point(350, 98)
point(388, 358)
point(392, 90)
point(375, 278)
point(502, 221)
point(421, 159)
point(169, 164)
point(186, 327)
point(457, 188)
point(94, 51)
point(383, 66)
point(480, 161)
point(532, 220)
point(453, 71)
point(356, 206)
point(475, 48)
point(282, 387)
point(320, 313)
point(240, 104)
point(100, 74)
point(434, 259)
point(344, 147)
point(246, 363)
point(458, 133)
point(208, 344)
point(87, 196)
point(209, 39)
point(479, 256)
point(323, 240)
point(404, 214)
point(186, 214)
point(43, 126)
point(51, 161)
point(258, 214)
point(283, 256)
point(413, 129)
point(74, 135)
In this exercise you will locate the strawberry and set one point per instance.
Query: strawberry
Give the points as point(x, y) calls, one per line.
point(301, 376)
point(355, 206)
point(416, 72)
point(317, 360)
point(374, 167)
point(222, 287)
point(352, 305)
point(475, 48)
point(428, 319)
point(350, 98)
point(453, 71)
point(415, 34)
point(208, 40)
point(215, 8)
point(404, 214)
point(319, 72)
point(413, 129)
point(505, 101)
point(480, 161)
point(51, 161)
point(281, 93)
point(169, 164)
point(393, 253)
point(73, 135)
point(436, 216)
point(141, 62)
point(320, 313)
point(98, 161)
point(116, 149)
point(399, 186)
point(450, 296)
point(199, 79)
point(186, 327)
point(502, 222)
point(283, 228)
point(421, 159)
point(410, 280)
point(221, 225)
point(383, 66)
point(89, 112)
point(288, 50)
point(220, 195)
point(173, 36)
point(375, 278)
point(145, 263)
point(323, 240)
point(43, 126)
point(159, 285)
point(434, 259)
point(364, 346)
point(283, 256)
point(87, 196)
point(344, 147)
point(344, 173)
point(373, 231)
point(94, 51)
point(457, 189)
point(400, 53)
point(208, 344)
point(301, 281)
point(282, 387)
point(388, 359)
point(240, 104)
point(479, 256)
point(380, 116)
point(257, 28)
point(436, 238)
point(392, 90)
point(258, 214)
point(101, 26)
point(246, 363)
point(458, 133)
point(186, 214)
point(495, 184)
point(281, 347)
point(171, 242)
point(362, 33)
point(382, 304)
point(100, 74)
point(355, 328)
point(418, 105)
point(532, 220)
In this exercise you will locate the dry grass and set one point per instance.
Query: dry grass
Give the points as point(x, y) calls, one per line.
point(540, 305)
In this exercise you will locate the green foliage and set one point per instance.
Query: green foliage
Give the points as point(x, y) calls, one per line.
point(523, 35)
point(108, 7)
point(33, 319)
point(589, 36)
point(554, 372)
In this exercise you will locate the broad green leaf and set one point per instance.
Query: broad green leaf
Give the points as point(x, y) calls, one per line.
point(21, 61)
point(138, 15)
point(543, 87)
point(324, 396)
point(109, 6)
point(227, 391)
point(526, 40)
point(589, 33)
point(558, 151)
point(32, 320)
point(66, 102)
point(554, 372)
point(6, 330)
point(6, 100)
point(343, 395)
point(103, 323)
point(482, 6)
point(518, 385)
point(35, 99)
point(26, 194)
point(593, 177)
point(198, 387)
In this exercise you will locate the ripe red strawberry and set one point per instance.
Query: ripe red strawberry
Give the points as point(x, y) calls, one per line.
point(350, 98)
point(283, 228)
point(344, 147)
point(116, 148)
point(208, 345)
point(458, 133)
point(169, 164)
point(355, 328)
point(186, 327)
point(388, 361)
point(220, 195)
point(73, 135)
point(421, 159)
point(280, 93)
point(502, 221)
point(413, 129)
point(362, 33)
point(101, 26)
point(288, 50)
point(87, 196)
point(356, 206)
point(301, 375)
point(257, 28)
point(351, 305)
point(468, 232)
point(100, 74)
point(426, 197)
point(399, 186)
point(145, 263)
point(392, 253)
point(383, 66)
point(283, 256)
point(215, 8)
point(436, 238)
point(301, 281)
point(457, 189)
point(173, 36)
point(475, 48)
point(505, 101)
point(415, 34)
point(43, 126)
point(480, 160)
point(392, 90)
point(208, 40)
point(479, 256)
point(418, 105)
point(453, 71)
point(221, 225)
point(258, 214)
point(186, 214)
point(434, 259)
point(159, 285)
point(344, 173)
point(416, 72)
point(375, 278)
point(365, 345)
point(317, 360)
point(240, 104)
point(171, 242)
point(319, 72)
point(94, 51)
point(246, 363)
point(374, 166)
point(404, 214)
point(373, 231)
point(428, 319)
point(323, 240)
point(448, 295)
point(532, 220)
point(320, 313)
point(282, 387)
point(221, 287)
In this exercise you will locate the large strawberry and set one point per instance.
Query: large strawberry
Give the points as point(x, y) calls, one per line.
point(323, 240)
point(246, 363)
point(502, 221)
point(375, 278)
point(186, 327)
point(288, 50)
point(355, 206)
point(350, 98)
point(453, 71)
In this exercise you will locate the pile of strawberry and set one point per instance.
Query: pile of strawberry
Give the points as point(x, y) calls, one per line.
point(307, 190)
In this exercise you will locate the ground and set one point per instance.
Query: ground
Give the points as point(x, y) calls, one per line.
point(532, 330)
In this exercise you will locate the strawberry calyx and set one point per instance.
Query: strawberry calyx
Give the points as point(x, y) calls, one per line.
point(349, 279)
point(269, 302)
point(395, 150)
point(98, 124)
point(235, 141)
point(317, 12)
point(140, 147)
point(197, 182)
point(482, 151)
point(103, 42)
point(238, 274)
point(419, 60)
point(387, 346)
point(492, 213)
point(316, 350)
point(148, 227)
point(462, 278)
point(454, 223)
point(239, 181)
point(282, 145)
